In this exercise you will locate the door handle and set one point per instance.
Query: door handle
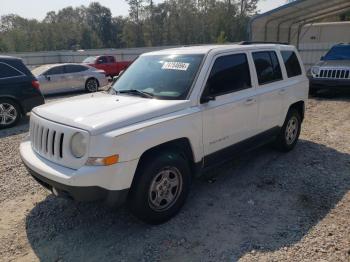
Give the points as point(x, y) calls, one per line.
point(282, 91)
point(250, 101)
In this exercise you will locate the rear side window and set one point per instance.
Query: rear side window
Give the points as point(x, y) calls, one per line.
point(267, 67)
point(229, 73)
point(75, 68)
point(111, 59)
point(8, 71)
point(292, 63)
point(55, 71)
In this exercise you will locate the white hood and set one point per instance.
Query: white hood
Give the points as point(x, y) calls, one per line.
point(101, 112)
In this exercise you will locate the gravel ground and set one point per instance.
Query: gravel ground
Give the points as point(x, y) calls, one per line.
point(264, 206)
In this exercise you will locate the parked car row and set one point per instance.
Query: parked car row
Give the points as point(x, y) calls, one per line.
point(22, 89)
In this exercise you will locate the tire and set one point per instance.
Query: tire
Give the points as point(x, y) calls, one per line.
point(164, 176)
point(10, 113)
point(91, 85)
point(290, 132)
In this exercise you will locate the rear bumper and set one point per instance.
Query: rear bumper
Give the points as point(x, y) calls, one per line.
point(329, 83)
point(29, 103)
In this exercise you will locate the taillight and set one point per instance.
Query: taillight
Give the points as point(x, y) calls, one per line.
point(35, 84)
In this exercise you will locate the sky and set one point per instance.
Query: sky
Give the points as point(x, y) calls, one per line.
point(38, 8)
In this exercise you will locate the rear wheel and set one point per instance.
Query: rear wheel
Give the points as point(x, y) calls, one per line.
point(290, 131)
point(160, 188)
point(91, 85)
point(9, 113)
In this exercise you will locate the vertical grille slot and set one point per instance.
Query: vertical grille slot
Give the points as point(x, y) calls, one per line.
point(53, 143)
point(61, 145)
point(46, 141)
point(41, 132)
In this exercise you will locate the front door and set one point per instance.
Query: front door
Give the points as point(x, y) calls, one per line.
point(52, 80)
point(229, 106)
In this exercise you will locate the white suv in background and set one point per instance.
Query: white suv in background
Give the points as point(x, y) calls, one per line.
point(171, 115)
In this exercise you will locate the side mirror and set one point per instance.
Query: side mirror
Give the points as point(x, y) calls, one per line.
point(207, 99)
point(115, 78)
point(322, 58)
point(48, 78)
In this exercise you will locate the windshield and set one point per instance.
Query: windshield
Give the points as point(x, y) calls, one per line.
point(341, 52)
point(161, 76)
point(90, 59)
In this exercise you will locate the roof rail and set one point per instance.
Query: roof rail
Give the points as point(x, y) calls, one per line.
point(261, 42)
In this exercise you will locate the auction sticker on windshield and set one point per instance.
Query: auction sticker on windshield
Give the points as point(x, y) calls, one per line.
point(175, 66)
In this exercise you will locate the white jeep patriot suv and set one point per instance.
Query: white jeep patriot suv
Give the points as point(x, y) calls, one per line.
point(171, 114)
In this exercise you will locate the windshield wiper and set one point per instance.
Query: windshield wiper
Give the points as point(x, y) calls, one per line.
point(137, 92)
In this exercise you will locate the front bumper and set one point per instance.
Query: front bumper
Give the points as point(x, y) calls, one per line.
point(82, 194)
point(329, 83)
point(88, 183)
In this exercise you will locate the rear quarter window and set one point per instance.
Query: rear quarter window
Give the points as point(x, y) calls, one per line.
point(7, 71)
point(292, 64)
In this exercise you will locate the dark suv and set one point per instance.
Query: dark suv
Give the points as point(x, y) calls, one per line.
point(333, 71)
point(19, 91)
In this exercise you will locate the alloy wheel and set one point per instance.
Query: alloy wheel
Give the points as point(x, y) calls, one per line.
point(8, 114)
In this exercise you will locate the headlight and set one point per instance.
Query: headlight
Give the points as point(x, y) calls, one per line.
point(78, 145)
point(315, 70)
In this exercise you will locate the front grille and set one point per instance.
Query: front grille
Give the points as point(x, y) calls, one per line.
point(46, 141)
point(51, 141)
point(334, 73)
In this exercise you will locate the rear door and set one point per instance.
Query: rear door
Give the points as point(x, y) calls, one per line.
point(75, 76)
point(270, 89)
point(296, 80)
point(232, 116)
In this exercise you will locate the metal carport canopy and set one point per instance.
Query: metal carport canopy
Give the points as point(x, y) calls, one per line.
point(283, 24)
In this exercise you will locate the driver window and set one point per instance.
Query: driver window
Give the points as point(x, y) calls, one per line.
point(229, 74)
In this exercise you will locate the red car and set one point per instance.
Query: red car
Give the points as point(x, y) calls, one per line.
point(108, 64)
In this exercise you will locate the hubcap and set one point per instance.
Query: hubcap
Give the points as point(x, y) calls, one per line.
point(292, 130)
point(8, 114)
point(92, 85)
point(165, 189)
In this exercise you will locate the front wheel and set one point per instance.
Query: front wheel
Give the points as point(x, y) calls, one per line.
point(290, 131)
point(9, 113)
point(160, 188)
point(91, 85)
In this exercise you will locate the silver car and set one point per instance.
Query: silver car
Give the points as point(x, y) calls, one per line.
point(58, 78)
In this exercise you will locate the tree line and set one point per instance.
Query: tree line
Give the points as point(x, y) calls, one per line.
point(171, 22)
